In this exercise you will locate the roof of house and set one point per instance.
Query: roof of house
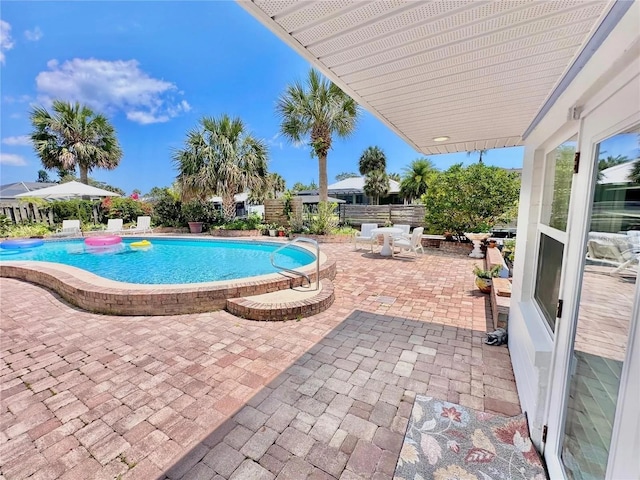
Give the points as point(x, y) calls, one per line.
point(311, 199)
point(616, 174)
point(351, 185)
point(10, 190)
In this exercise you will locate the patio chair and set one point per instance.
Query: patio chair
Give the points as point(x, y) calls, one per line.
point(69, 228)
point(406, 230)
point(143, 225)
point(613, 249)
point(364, 235)
point(408, 243)
point(114, 225)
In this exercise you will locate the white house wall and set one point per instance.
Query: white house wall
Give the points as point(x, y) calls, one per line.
point(612, 66)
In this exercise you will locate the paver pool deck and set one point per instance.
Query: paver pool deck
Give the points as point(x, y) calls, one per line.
point(213, 396)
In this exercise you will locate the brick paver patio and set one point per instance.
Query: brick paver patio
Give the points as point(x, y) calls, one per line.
point(215, 396)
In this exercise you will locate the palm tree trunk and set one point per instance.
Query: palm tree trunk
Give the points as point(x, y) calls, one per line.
point(84, 175)
point(322, 177)
point(480, 161)
point(229, 206)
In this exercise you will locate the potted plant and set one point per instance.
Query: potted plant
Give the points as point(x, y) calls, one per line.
point(281, 231)
point(195, 214)
point(273, 228)
point(483, 277)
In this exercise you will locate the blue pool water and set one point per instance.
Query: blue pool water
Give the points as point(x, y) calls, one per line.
point(167, 260)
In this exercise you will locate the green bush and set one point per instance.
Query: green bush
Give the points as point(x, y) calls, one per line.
point(125, 208)
point(252, 222)
point(167, 212)
point(201, 211)
point(325, 220)
point(470, 199)
point(73, 210)
point(5, 225)
point(26, 230)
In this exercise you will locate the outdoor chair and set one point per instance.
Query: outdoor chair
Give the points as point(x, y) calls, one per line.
point(408, 243)
point(613, 249)
point(114, 225)
point(364, 235)
point(69, 228)
point(143, 225)
point(406, 230)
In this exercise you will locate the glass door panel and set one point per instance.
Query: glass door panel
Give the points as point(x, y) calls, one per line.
point(605, 310)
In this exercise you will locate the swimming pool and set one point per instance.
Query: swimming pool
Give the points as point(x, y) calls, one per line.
point(167, 260)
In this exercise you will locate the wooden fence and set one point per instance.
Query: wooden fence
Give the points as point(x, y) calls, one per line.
point(25, 212)
point(356, 215)
point(274, 210)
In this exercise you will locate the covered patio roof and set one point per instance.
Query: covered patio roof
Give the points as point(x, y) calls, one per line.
point(473, 74)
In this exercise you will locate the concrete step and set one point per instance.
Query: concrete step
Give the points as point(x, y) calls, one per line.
point(291, 304)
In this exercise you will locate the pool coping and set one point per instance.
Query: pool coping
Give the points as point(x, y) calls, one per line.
point(101, 295)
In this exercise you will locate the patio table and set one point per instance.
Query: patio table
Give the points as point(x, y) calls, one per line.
point(386, 232)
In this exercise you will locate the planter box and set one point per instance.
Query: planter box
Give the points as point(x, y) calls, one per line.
point(218, 232)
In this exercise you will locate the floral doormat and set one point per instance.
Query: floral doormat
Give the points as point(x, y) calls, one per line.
point(445, 441)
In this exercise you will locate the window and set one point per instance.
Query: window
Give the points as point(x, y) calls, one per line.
point(548, 277)
point(557, 186)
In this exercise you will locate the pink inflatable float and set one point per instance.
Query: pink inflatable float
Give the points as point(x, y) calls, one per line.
point(103, 240)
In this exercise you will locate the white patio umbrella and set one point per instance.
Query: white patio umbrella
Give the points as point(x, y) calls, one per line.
point(68, 190)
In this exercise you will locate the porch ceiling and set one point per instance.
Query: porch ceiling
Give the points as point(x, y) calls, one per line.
point(475, 71)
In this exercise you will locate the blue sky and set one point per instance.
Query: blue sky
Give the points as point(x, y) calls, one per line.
point(155, 68)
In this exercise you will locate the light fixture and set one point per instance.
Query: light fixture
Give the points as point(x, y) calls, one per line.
point(441, 139)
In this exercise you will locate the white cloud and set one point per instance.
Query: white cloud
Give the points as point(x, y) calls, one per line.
point(12, 160)
point(6, 42)
point(21, 140)
point(274, 142)
point(112, 86)
point(18, 99)
point(33, 35)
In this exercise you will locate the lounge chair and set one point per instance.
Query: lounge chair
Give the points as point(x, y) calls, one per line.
point(114, 225)
point(613, 249)
point(409, 243)
point(143, 225)
point(69, 228)
point(364, 235)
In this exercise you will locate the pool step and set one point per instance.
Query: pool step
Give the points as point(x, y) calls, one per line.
point(294, 303)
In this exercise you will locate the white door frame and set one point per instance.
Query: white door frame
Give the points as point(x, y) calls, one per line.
point(608, 117)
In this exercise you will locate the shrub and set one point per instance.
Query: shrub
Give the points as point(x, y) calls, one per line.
point(168, 212)
point(125, 208)
point(73, 209)
point(25, 230)
point(470, 199)
point(5, 225)
point(325, 221)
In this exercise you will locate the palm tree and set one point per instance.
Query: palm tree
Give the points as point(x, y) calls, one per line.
point(275, 184)
point(416, 178)
point(372, 159)
point(317, 109)
point(481, 152)
point(74, 136)
point(376, 185)
point(221, 158)
point(344, 175)
point(395, 176)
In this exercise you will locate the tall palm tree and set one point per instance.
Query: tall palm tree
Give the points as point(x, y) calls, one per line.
point(481, 152)
point(416, 178)
point(221, 158)
point(395, 176)
point(372, 159)
point(317, 109)
point(276, 184)
point(376, 185)
point(74, 136)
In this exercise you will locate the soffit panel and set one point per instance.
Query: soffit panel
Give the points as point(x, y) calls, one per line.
point(476, 71)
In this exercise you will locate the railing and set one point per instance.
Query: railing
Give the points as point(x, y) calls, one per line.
point(296, 272)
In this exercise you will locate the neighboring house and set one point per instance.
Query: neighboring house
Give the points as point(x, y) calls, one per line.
point(351, 190)
point(9, 191)
point(453, 77)
point(243, 206)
